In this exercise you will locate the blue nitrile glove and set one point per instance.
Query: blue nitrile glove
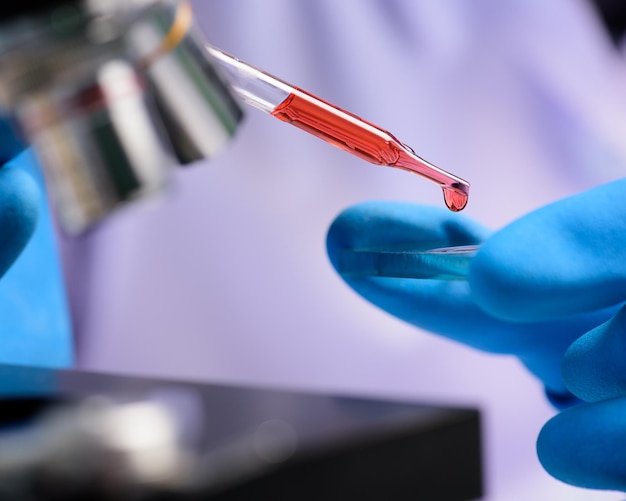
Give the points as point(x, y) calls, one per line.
point(534, 288)
point(34, 320)
point(19, 200)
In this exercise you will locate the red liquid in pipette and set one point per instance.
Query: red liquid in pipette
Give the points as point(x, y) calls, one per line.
point(365, 140)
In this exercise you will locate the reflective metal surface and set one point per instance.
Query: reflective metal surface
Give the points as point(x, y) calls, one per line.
point(112, 95)
point(75, 435)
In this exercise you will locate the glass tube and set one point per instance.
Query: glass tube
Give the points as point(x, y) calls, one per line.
point(334, 125)
point(448, 263)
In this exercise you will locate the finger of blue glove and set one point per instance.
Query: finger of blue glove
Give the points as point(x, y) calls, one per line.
point(448, 307)
point(562, 259)
point(19, 199)
point(35, 327)
point(586, 445)
point(594, 366)
point(12, 141)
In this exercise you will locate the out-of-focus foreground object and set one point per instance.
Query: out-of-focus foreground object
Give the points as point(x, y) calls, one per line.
point(76, 435)
point(111, 94)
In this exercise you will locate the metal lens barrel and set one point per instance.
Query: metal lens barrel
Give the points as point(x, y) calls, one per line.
point(197, 107)
point(109, 107)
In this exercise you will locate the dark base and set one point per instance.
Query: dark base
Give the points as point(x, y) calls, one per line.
point(347, 448)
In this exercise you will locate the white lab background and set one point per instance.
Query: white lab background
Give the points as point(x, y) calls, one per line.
point(225, 277)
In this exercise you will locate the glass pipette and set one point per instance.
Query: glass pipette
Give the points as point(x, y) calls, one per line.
point(334, 125)
point(447, 263)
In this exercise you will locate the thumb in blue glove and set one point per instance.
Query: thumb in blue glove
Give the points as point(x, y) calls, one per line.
point(450, 308)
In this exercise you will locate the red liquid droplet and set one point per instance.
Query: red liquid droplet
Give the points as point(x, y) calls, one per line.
point(455, 198)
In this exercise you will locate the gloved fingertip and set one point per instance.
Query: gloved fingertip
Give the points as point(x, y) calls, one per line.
point(562, 259)
point(585, 445)
point(19, 208)
point(594, 366)
point(549, 448)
